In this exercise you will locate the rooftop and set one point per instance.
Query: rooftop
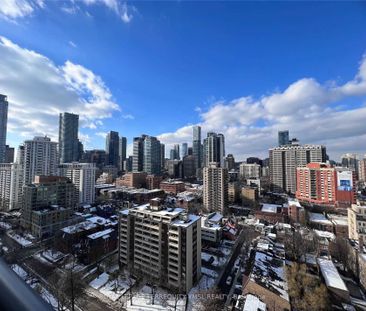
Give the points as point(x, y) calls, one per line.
point(331, 275)
point(270, 208)
point(319, 218)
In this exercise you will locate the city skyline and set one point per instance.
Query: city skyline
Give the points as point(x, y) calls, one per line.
point(319, 97)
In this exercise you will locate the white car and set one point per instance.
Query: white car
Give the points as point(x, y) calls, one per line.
point(228, 280)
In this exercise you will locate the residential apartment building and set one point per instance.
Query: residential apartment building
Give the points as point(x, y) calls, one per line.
point(112, 148)
point(252, 170)
point(68, 142)
point(164, 244)
point(319, 183)
point(196, 146)
point(215, 188)
point(357, 223)
point(3, 125)
point(214, 149)
point(47, 205)
point(82, 175)
point(284, 160)
point(40, 158)
point(11, 181)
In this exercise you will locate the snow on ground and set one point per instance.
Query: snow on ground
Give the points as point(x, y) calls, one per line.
point(5, 225)
point(41, 259)
point(46, 295)
point(5, 249)
point(20, 271)
point(99, 281)
point(209, 272)
point(21, 240)
point(114, 289)
point(142, 301)
point(53, 255)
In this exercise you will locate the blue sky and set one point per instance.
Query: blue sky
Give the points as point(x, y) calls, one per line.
point(159, 67)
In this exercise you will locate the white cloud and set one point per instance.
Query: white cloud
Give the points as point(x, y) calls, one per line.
point(71, 43)
point(101, 134)
point(38, 90)
point(15, 9)
point(128, 117)
point(122, 9)
point(12, 9)
point(313, 112)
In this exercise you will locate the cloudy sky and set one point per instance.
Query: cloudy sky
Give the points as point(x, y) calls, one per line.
point(244, 69)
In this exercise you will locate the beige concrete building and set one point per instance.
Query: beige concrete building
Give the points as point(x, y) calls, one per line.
point(250, 170)
point(284, 160)
point(164, 244)
point(11, 181)
point(215, 188)
point(233, 192)
point(357, 223)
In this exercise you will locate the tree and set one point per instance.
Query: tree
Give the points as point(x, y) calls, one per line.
point(339, 250)
point(210, 300)
point(305, 290)
point(71, 284)
point(130, 282)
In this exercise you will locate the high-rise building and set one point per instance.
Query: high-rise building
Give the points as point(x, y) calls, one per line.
point(95, 156)
point(138, 154)
point(176, 152)
point(362, 170)
point(350, 160)
point(196, 146)
point(82, 175)
point(39, 157)
point(122, 152)
point(214, 149)
point(11, 182)
point(147, 155)
point(283, 138)
point(152, 156)
point(68, 142)
point(247, 171)
point(283, 162)
point(357, 223)
point(171, 255)
point(112, 148)
point(230, 162)
point(162, 155)
point(184, 150)
point(3, 125)
point(9, 154)
point(189, 167)
point(172, 155)
point(47, 205)
point(319, 183)
point(215, 188)
point(175, 168)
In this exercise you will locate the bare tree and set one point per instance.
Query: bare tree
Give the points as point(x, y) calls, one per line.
point(72, 284)
point(130, 282)
point(339, 250)
point(210, 300)
point(305, 290)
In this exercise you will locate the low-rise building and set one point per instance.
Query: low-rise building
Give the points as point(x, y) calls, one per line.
point(211, 228)
point(271, 213)
point(132, 180)
point(296, 212)
point(320, 222)
point(249, 193)
point(172, 186)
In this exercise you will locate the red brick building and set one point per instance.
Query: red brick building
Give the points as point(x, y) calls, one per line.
point(172, 187)
point(319, 183)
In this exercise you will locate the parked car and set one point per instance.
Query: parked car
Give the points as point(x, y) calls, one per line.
point(229, 280)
